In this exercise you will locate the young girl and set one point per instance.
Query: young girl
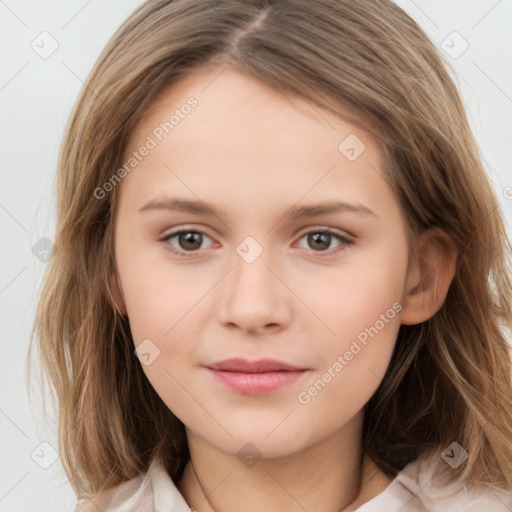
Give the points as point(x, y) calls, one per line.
point(208, 353)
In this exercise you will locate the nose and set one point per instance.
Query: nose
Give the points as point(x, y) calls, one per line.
point(254, 297)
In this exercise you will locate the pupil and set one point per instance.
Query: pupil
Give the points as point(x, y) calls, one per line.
point(188, 238)
point(317, 237)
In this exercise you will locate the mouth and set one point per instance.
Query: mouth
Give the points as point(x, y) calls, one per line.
point(255, 377)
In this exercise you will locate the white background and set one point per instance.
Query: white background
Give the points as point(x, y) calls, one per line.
point(36, 96)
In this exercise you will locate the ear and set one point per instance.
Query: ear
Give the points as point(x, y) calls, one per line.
point(429, 276)
point(117, 292)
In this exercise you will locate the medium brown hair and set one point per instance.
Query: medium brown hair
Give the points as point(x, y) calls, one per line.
point(449, 379)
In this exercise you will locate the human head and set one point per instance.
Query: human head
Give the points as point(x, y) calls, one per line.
point(250, 289)
point(397, 87)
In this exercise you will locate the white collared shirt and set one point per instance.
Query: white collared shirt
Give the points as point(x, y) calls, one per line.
point(412, 490)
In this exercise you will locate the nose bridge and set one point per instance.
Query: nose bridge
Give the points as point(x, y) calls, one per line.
point(251, 273)
point(255, 297)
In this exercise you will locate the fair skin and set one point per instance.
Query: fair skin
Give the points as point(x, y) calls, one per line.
point(253, 154)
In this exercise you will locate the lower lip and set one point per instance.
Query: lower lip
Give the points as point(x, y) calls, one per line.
point(257, 383)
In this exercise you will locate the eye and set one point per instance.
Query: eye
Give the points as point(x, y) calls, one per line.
point(320, 240)
point(191, 241)
point(188, 241)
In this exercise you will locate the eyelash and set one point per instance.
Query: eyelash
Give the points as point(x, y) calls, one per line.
point(190, 254)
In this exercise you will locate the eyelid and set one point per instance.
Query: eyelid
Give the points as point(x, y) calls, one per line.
point(345, 238)
point(301, 233)
point(321, 229)
point(183, 229)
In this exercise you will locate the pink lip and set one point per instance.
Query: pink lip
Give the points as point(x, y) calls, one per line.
point(255, 377)
point(260, 366)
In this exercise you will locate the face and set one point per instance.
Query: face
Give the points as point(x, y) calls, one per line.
point(252, 271)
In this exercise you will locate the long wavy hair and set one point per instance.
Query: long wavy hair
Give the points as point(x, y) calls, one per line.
point(449, 379)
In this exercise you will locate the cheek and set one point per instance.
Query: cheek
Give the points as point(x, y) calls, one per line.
point(360, 307)
point(355, 296)
point(162, 305)
point(159, 295)
point(354, 359)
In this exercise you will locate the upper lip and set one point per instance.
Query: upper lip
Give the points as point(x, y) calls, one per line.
point(259, 366)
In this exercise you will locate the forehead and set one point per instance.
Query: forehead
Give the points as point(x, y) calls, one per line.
point(244, 140)
point(229, 98)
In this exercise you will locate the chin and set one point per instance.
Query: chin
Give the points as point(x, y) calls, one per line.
point(256, 445)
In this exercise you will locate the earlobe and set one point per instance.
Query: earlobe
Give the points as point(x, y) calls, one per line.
point(117, 293)
point(429, 277)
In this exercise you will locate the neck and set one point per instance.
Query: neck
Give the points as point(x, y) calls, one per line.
point(333, 475)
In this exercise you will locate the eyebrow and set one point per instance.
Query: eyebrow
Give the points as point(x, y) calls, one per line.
point(300, 212)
